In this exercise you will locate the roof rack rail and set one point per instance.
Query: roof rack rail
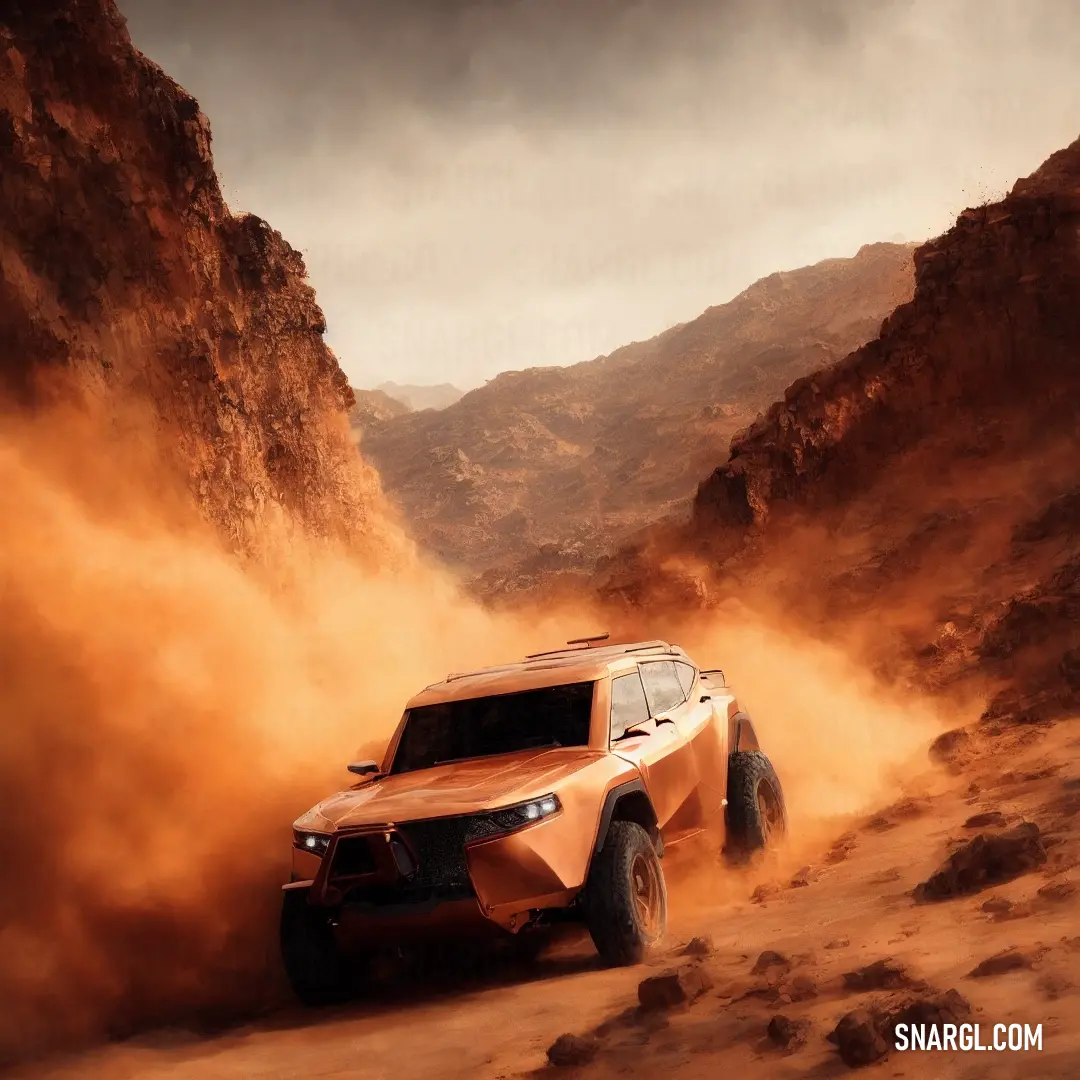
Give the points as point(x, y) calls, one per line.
point(576, 645)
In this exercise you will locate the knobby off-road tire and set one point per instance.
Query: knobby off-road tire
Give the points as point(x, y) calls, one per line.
point(756, 815)
point(314, 964)
point(625, 895)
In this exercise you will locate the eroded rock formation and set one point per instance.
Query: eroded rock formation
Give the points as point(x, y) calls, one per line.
point(124, 277)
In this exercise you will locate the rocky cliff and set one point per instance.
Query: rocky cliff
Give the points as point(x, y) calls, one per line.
point(124, 277)
point(930, 476)
point(994, 324)
point(553, 465)
point(162, 366)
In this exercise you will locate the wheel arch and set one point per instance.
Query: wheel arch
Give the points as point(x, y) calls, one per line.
point(628, 801)
point(741, 733)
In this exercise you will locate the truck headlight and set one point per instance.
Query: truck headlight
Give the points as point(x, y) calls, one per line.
point(515, 817)
point(312, 843)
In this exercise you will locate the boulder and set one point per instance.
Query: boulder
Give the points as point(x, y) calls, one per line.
point(858, 1039)
point(786, 1033)
point(886, 974)
point(983, 861)
point(675, 988)
point(568, 1050)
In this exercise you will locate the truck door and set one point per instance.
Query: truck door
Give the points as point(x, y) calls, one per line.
point(657, 745)
point(703, 721)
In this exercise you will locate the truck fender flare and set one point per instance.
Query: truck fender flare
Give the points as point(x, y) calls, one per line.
point(620, 791)
point(741, 733)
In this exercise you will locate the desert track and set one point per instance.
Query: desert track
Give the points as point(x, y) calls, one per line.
point(856, 908)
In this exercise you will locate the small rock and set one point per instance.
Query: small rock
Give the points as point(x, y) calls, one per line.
point(884, 877)
point(1000, 963)
point(948, 1008)
point(1057, 891)
point(980, 821)
point(765, 892)
point(769, 959)
point(799, 988)
point(885, 974)
point(842, 848)
point(788, 1034)
point(983, 861)
point(997, 905)
point(880, 823)
point(699, 946)
point(946, 748)
point(673, 988)
point(1052, 986)
point(838, 943)
point(908, 809)
point(569, 1050)
point(858, 1039)
point(801, 878)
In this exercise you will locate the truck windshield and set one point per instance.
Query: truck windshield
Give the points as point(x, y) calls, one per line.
point(499, 724)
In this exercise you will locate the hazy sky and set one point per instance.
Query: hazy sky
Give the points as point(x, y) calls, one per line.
point(508, 183)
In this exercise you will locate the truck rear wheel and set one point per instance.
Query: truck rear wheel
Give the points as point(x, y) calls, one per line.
point(314, 964)
point(625, 895)
point(756, 814)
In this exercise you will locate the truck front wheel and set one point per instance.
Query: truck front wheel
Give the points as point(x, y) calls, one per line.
point(313, 960)
point(625, 895)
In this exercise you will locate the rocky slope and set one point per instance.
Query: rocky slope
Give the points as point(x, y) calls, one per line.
point(555, 464)
point(929, 477)
point(123, 276)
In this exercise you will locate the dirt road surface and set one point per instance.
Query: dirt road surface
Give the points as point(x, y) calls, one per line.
point(852, 905)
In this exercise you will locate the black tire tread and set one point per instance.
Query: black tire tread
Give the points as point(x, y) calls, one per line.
point(610, 913)
point(315, 967)
point(747, 770)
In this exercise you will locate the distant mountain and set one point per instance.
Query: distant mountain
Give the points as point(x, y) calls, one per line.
point(422, 397)
point(558, 464)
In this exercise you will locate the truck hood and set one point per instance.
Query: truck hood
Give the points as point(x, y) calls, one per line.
point(463, 787)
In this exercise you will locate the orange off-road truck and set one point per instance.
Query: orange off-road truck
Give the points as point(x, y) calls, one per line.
point(517, 796)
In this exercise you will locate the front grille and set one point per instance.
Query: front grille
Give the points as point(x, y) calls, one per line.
point(352, 857)
point(441, 871)
point(440, 851)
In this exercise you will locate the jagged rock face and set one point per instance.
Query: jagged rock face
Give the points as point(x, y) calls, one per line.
point(544, 469)
point(995, 322)
point(123, 277)
point(930, 477)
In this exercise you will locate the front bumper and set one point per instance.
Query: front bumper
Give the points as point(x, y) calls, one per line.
point(407, 878)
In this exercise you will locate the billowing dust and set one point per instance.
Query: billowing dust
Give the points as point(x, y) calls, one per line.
point(168, 710)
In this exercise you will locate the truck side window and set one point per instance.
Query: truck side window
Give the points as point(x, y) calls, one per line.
point(686, 676)
point(662, 687)
point(628, 704)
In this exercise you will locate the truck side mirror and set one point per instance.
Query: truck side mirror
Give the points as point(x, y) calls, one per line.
point(364, 768)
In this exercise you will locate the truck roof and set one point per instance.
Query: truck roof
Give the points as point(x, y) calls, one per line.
point(581, 662)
